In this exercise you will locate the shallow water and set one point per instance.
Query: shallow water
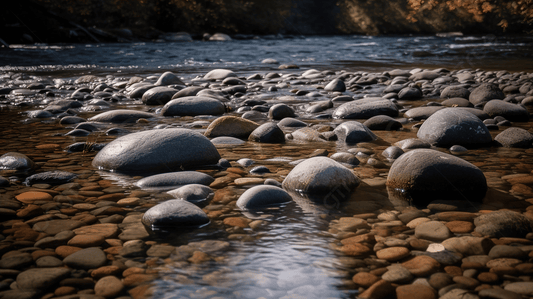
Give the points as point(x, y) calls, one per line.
point(291, 254)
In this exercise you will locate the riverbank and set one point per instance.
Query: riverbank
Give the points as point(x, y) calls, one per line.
point(380, 229)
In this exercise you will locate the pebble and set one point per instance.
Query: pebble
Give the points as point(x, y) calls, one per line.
point(88, 258)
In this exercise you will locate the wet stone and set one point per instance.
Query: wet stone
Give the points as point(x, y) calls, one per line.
point(89, 258)
point(41, 278)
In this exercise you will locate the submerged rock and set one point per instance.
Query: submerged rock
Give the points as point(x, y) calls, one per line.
point(424, 175)
point(121, 116)
point(321, 175)
point(454, 126)
point(175, 213)
point(55, 177)
point(157, 151)
point(175, 179)
point(262, 196)
point(16, 161)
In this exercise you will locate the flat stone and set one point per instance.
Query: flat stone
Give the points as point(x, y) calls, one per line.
point(53, 227)
point(41, 278)
point(104, 230)
point(17, 261)
point(503, 223)
point(231, 126)
point(88, 258)
point(380, 289)
point(365, 279)
point(469, 245)
point(433, 230)
point(418, 291)
point(422, 266)
point(108, 287)
point(157, 151)
point(522, 288)
point(262, 196)
point(499, 294)
point(365, 109)
point(162, 251)
point(48, 261)
point(392, 254)
point(85, 241)
point(172, 180)
point(192, 106)
point(397, 274)
point(33, 196)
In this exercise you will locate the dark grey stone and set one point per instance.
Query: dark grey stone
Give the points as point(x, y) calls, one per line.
point(157, 151)
point(175, 213)
point(408, 93)
point(41, 279)
point(280, 111)
point(484, 93)
point(16, 161)
point(168, 78)
point(503, 223)
point(320, 175)
point(392, 152)
point(262, 196)
point(171, 180)
point(189, 91)
point(366, 108)
point(382, 122)
point(55, 177)
point(121, 116)
point(192, 106)
point(354, 132)
point(451, 126)
point(335, 85)
point(455, 91)
point(88, 258)
point(423, 175)
point(420, 113)
point(510, 111)
point(158, 95)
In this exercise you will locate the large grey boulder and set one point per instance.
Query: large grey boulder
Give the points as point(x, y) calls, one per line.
point(515, 137)
point(366, 108)
point(510, 111)
point(452, 126)
point(120, 116)
point(192, 106)
point(16, 161)
point(157, 151)
point(262, 196)
point(173, 180)
point(41, 279)
point(176, 213)
point(424, 175)
point(354, 132)
point(485, 92)
point(158, 95)
point(503, 223)
point(321, 175)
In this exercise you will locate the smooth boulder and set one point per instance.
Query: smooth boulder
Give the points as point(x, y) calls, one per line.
point(484, 93)
point(157, 151)
point(192, 192)
point(175, 213)
point(321, 175)
point(16, 161)
point(503, 223)
point(192, 106)
point(267, 133)
point(382, 122)
point(262, 196)
point(515, 138)
point(424, 175)
point(231, 126)
point(452, 126)
point(158, 95)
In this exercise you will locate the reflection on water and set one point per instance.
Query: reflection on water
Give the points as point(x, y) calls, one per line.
point(361, 52)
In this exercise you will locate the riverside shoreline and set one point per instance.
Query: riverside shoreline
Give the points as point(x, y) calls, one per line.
point(80, 232)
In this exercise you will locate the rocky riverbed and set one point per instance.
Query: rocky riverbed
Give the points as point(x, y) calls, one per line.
point(407, 183)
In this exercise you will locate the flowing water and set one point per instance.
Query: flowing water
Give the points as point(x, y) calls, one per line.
point(291, 254)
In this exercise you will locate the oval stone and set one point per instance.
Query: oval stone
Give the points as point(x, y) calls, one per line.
point(175, 213)
point(262, 196)
point(157, 151)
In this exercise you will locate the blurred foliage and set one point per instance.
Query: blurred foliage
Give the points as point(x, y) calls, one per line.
point(230, 16)
point(516, 11)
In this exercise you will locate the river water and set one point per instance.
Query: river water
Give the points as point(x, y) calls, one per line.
point(291, 256)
